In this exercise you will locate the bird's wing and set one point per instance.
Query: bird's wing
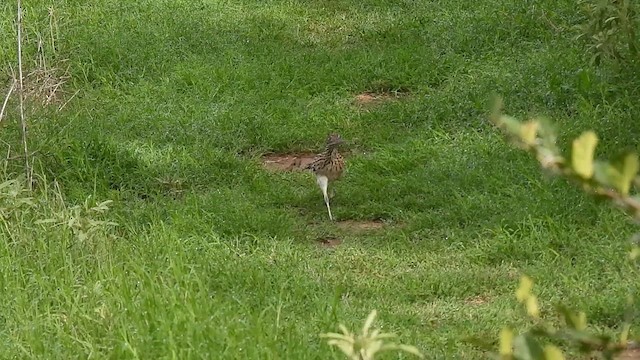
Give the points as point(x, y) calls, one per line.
point(318, 161)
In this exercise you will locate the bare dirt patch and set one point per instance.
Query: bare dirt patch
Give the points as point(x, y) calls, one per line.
point(371, 98)
point(44, 85)
point(329, 242)
point(287, 162)
point(476, 300)
point(380, 92)
point(631, 353)
point(360, 226)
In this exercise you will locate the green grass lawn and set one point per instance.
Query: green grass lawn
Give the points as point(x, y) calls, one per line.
point(215, 257)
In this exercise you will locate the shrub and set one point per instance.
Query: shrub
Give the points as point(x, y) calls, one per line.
point(612, 180)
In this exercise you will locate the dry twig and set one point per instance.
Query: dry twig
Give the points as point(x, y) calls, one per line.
point(6, 99)
point(23, 120)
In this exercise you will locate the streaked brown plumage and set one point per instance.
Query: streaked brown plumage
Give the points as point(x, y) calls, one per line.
point(329, 163)
point(328, 166)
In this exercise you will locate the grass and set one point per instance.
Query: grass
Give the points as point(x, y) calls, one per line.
point(213, 257)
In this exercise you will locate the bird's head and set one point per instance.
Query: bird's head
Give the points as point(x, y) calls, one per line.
point(334, 140)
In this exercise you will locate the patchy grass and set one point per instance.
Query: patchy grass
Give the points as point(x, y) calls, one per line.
point(215, 256)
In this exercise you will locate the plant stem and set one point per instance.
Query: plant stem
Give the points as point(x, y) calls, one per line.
point(23, 121)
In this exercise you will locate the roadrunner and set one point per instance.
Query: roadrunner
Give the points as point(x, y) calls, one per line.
point(328, 166)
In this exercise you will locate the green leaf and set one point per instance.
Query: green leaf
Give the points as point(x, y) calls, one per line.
point(628, 166)
point(510, 124)
point(506, 342)
point(346, 348)
point(532, 306)
point(411, 350)
point(581, 321)
point(624, 335)
point(482, 342)
point(369, 322)
point(576, 321)
point(526, 347)
point(604, 173)
point(552, 352)
point(529, 132)
point(547, 134)
point(618, 173)
point(584, 81)
point(586, 340)
point(524, 290)
point(582, 154)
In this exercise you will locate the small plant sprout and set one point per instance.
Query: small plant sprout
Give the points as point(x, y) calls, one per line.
point(82, 220)
point(366, 345)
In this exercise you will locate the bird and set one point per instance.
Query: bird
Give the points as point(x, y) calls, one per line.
point(328, 166)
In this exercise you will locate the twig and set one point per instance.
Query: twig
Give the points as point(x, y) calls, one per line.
point(52, 92)
point(6, 99)
point(15, 157)
point(71, 98)
point(41, 58)
point(6, 162)
point(23, 121)
point(554, 26)
point(51, 22)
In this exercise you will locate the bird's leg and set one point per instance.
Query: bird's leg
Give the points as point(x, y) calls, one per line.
point(323, 183)
point(326, 201)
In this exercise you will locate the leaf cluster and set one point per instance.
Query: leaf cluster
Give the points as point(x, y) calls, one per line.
point(610, 29)
point(82, 220)
point(613, 180)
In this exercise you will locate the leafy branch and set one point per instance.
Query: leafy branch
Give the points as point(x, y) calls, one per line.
point(613, 180)
point(610, 29)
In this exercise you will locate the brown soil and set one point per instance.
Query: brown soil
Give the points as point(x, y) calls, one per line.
point(477, 300)
point(632, 353)
point(373, 98)
point(287, 162)
point(330, 242)
point(360, 226)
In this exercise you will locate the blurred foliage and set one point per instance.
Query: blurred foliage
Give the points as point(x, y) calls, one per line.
point(610, 29)
point(612, 180)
